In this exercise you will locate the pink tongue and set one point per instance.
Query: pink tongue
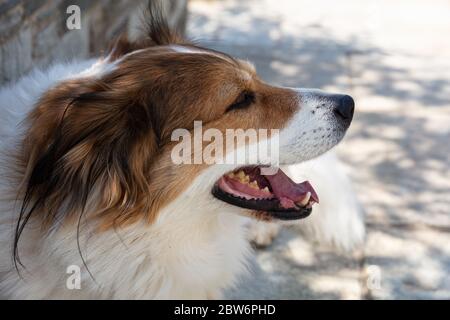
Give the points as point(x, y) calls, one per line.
point(288, 191)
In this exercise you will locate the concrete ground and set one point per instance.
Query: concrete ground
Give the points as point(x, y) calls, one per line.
point(393, 57)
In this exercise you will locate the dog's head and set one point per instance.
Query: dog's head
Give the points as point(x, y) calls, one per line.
point(102, 143)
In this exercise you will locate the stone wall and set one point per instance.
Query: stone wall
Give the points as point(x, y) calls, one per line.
point(34, 32)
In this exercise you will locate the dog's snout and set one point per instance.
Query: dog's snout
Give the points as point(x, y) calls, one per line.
point(345, 107)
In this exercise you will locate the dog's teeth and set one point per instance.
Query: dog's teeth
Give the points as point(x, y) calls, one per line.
point(254, 185)
point(266, 189)
point(242, 177)
point(305, 200)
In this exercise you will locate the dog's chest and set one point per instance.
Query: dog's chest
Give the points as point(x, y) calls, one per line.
point(195, 262)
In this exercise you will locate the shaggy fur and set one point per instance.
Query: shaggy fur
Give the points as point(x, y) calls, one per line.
point(87, 178)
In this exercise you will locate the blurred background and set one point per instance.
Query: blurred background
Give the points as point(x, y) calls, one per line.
point(392, 56)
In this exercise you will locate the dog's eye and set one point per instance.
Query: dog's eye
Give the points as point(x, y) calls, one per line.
point(244, 100)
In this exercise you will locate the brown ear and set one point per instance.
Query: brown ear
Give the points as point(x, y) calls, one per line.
point(87, 141)
point(157, 32)
point(157, 26)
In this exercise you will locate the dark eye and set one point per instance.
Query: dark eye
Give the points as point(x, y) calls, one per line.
point(244, 100)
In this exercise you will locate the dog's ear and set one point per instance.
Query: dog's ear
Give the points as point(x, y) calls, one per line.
point(157, 27)
point(87, 141)
point(157, 32)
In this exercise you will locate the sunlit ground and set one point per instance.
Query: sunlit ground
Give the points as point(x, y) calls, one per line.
point(393, 57)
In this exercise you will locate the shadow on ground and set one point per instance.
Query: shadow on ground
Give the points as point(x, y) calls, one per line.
point(397, 152)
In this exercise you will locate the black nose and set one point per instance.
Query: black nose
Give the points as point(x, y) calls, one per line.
point(345, 107)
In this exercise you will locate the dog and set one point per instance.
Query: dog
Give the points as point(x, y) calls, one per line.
point(92, 203)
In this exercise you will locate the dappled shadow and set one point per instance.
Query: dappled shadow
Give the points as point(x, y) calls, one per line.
point(397, 149)
point(406, 163)
point(414, 262)
point(278, 273)
point(313, 56)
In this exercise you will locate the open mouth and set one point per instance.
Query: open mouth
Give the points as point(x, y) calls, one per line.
point(276, 195)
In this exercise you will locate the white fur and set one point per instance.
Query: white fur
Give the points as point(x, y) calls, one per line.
point(196, 248)
point(312, 131)
point(187, 254)
point(190, 50)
